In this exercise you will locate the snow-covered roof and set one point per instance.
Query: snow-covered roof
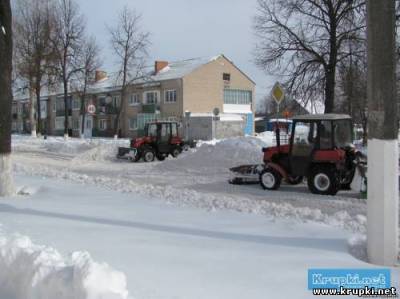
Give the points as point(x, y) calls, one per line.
point(174, 70)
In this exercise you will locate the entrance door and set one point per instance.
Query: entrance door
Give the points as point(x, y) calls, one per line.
point(304, 140)
point(88, 133)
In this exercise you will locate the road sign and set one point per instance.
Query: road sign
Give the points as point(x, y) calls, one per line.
point(278, 93)
point(91, 109)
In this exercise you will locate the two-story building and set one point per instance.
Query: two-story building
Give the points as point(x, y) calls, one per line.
point(169, 91)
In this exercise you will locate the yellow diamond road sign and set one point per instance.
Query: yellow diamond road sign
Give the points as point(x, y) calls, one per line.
point(278, 93)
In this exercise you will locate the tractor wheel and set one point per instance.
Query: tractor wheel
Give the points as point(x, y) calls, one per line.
point(346, 185)
point(176, 151)
point(295, 180)
point(270, 179)
point(323, 180)
point(148, 155)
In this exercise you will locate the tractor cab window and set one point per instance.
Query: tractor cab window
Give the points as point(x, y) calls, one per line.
point(325, 135)
point(152, 130)
point(165, 133)
point(304, 138)
point(174, 128)
point(343, 133)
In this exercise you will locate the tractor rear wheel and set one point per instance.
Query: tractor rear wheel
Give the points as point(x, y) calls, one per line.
point(148, 155)
point(270, 179)
point(176, 151)
point(323, 180)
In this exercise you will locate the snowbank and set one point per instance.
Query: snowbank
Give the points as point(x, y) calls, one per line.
point(30, 271)
point(218, 156)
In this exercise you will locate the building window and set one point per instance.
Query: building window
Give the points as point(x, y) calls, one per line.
point(226, 77)
point(170, 96)
point(102, 124)
point(60, 105)
point(134, 99)
point(59, 125)
point(14, 126)
point(55, 106)
point(151, 97)
point(116, 101)
point(237, 97)
point(133, 124)
point(76, 104)
point(76, 124)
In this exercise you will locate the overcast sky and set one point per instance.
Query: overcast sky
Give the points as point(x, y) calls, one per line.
point(183, 29)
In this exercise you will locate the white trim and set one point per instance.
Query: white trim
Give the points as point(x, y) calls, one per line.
point(383, 202)
point(134, 103)
point(165, 96)
point(151, 91)
point(129, 124)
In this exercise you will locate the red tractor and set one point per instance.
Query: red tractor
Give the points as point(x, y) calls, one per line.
point(320, 149)
point(160, 140)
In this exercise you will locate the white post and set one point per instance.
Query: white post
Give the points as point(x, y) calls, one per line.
point(383, 152)
point(6, 178)
point(383, 194)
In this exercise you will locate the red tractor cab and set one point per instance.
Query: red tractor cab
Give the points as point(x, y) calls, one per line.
point(160, 140)
point(320, 150)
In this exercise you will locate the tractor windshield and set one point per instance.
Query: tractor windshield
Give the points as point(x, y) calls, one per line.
point(343, 133)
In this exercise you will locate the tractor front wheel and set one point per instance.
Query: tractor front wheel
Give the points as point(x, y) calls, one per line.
point(148, 155)
point(323, 180)
point(270, 179)
point(176, 151)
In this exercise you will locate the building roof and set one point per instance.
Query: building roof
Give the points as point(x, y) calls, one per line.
point(328, 116)
point(174, 70)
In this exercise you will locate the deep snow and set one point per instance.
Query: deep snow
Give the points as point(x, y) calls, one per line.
point(162, 198)
point(168, 251)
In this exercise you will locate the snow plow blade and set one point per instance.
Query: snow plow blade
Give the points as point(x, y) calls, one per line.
point(126, 153)
point(246, 174)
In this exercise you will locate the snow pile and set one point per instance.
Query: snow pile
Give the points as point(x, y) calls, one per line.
point(218, 156)
point(358, 247)
point(105, 152)
point(30, 271)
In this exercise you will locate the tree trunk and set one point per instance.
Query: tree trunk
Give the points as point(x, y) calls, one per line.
point(38, 105)
point(32, 116)
point(66, 110)
point(6, 49)
point(329, 90)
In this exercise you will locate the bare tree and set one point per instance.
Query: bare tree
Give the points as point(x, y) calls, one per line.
point(6, 54)
point(32, 27)
point(90, 62)
point(67, 41)
point(303, 40)
point(130, 44)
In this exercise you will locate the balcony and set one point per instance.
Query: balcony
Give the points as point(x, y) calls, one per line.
point(150, 108)
point(107, 109)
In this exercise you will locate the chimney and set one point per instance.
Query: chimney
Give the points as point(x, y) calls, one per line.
point(159, 65)
point(100, 75)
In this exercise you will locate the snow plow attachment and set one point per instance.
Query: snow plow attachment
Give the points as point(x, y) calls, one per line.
point(127, 153)
point(246, 174)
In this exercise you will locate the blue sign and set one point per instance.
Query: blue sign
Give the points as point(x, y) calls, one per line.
point(348, 278)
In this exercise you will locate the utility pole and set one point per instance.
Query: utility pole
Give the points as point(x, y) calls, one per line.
point(383, 152)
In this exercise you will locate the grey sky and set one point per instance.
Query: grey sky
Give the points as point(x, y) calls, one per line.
point(183, 29)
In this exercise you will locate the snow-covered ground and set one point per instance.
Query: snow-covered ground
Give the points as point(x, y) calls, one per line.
point(177, 229)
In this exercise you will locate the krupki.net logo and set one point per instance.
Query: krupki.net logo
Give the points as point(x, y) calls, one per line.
point(373, 283)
